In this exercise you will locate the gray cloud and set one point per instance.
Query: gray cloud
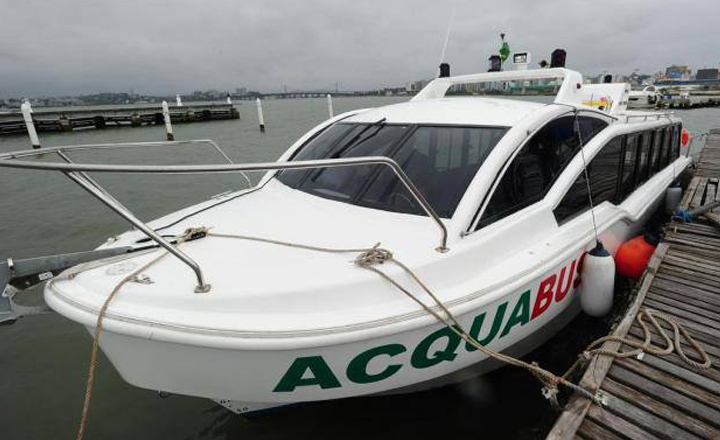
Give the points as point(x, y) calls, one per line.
point(168, 46)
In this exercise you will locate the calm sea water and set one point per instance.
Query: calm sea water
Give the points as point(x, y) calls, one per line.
point(43, 359)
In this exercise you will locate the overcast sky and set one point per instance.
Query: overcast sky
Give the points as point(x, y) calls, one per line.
point(58, 47)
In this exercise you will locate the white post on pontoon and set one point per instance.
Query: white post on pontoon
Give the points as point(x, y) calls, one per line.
point(229, 101)
point(330, 106)
point(178, 100)
point(261, 119)
point(30, 124)
point(168, 123)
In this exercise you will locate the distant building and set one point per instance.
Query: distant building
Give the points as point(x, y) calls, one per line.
point(678, 73)
point(708, 75)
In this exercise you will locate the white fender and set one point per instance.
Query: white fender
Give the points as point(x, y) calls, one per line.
point(673, 195)
point(598, 282)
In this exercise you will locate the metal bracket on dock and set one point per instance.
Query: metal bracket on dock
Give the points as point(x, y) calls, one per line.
point(19, 275)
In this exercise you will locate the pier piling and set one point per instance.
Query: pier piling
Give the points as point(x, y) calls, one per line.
point(168, 123)
point(261, 119)
point(30, 124)
point(330, 106)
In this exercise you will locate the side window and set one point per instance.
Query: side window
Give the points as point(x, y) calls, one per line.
point(540, 161)
point(664, 148)
point(675, 152)
point(627, 179)
point(655, 152)
point(603, 171)
point(643, 157)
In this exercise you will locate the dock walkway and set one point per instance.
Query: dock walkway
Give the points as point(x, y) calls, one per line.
point(662, 397)
point(135, 115)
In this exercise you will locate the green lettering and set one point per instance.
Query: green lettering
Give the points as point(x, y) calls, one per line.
point(477, 326)
point(321, 375)
point(420, 357)
point(520, 314)
point(357, 369)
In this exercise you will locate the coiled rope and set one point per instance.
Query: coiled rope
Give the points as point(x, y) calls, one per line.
point(370, 258)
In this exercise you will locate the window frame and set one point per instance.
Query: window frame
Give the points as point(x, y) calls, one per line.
point(474, 225)
point(394, 148)
point(612, 199)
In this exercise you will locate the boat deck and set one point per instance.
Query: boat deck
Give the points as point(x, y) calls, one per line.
point(663, 397)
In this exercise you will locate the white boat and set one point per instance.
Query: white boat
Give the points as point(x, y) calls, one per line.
point(648, 97)
point(258, 324)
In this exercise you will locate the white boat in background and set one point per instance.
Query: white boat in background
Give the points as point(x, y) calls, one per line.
point(647, 98)
point(489, 208)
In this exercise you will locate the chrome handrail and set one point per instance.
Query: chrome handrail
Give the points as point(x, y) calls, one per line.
point(77, 173)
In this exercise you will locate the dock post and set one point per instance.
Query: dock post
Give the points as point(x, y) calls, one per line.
point(168, 124)
point(229, 101)
point(261, 119)
point(30, 124)
point(330, 106)
point(178, 100)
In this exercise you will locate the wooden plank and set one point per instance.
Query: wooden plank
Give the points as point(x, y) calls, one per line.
point(657, 397)
point(699, 312)
point(671, 382)
point(688, 285)
point(700, 379)
point(711, 347)
point(618, 424)
point(667, 412)
point(569, 421)
point(712, 327)
point(689, 193)
point(697, 199)
point(701, 297)
point(645, 420)
point(592, 431)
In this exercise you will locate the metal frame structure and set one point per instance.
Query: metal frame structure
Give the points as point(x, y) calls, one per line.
point(78, 173)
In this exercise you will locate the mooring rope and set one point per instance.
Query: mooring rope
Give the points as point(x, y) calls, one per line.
point(639, 348)
point(370, 258)
point(98, 327)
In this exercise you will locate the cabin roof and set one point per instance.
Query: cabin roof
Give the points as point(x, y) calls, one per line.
point(457, 111)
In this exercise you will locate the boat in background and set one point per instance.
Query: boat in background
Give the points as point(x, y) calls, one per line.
point(649, 97)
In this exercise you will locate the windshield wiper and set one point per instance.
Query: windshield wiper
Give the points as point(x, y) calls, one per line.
point(351, 142)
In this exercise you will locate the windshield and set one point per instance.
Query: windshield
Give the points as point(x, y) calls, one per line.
point(440, 160)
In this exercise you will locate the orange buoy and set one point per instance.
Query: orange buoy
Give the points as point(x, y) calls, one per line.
point(633, 256)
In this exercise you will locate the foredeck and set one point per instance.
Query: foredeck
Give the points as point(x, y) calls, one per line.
point(662, 397)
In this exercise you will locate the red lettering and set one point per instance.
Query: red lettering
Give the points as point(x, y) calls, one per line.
point(544, 296)
point(576, 284)
point(560, 292)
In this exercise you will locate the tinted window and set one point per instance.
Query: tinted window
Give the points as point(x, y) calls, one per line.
point(675, 152)
point(655, 152)
point(317, 148)
point(441, 162)
point(627, 181)
point(664, 147)
point(603, 171)
point(643, 157)
point(534, 169)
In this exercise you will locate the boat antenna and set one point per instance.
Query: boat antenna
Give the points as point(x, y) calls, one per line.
point(447, 34)
point(587, 177)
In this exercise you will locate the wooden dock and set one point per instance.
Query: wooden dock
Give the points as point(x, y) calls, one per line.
point(663, 397)
point(72, 118)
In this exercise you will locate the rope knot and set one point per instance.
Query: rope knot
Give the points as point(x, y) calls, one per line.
point(376, 255)
point(194, 233)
